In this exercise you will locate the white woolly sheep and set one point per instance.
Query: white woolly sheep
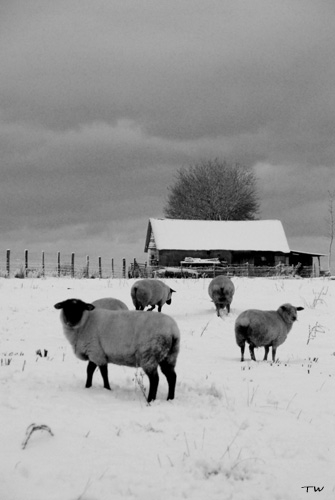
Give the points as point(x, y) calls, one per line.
point(110, 304)
point(127, 338)
point(150, 292)
point(221, 290)
point(264, 329)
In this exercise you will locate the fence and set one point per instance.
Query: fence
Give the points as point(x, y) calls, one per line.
point(60, 265)
point(69, 265)
point(137, 270)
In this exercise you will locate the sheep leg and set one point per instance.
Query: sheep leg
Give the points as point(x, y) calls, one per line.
point(228, 308)
point(90, 370)
point(267, 348)
point(242, 351)
point(159, 306)
point(171, 378)
point(274, 350)
point(104, 373)
point(151, 308)
point(153, 385)
point(252, 352)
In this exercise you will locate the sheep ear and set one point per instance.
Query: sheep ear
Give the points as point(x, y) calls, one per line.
point(299, 308)
point(59, 305)
point(89, 307)
point(172, 290)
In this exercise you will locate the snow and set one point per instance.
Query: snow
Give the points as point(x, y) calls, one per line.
point(242, 431)
point(256, 235)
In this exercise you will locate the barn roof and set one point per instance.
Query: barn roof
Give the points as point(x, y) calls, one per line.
point(179, 234)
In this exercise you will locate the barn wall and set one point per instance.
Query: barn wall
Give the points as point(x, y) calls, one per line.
point(258, 258)
point(174, 257)
point(305, 260)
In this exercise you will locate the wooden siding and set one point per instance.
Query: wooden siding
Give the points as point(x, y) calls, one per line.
point(174, 257)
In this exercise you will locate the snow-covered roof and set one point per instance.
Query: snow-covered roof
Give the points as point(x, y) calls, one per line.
point(178, 234)
point(313, 254)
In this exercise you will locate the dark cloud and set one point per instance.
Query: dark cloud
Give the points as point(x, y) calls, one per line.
point(101, 103)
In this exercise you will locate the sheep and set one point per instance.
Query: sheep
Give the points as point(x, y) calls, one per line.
point(150, 292)
point(264, 329)
point(127, 338)
point(221, 290)
point(110, 304)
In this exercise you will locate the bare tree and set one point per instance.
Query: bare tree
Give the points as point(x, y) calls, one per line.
point(330, 220)
point(213, 190)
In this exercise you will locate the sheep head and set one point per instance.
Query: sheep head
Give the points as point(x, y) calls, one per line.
point(73, 310)
point(289, 313)
point(168, 300)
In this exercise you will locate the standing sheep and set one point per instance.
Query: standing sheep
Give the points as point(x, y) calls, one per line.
point(110, 304)
point(221, 290)
point(264, 329)
point(150, 292)
point(127, 338)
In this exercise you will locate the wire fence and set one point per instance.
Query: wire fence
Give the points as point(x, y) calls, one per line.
point(29, 265)
point(137, 270)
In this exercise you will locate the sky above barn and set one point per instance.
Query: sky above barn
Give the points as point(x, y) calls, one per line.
point(102, 102)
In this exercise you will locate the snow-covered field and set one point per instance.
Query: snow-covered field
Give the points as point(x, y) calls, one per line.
point(235, 430)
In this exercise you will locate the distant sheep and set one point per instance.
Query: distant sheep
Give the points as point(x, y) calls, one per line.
point(150, 292)
point(127, 338)
point(110, 304)
point(264, 329)
point(221, 290)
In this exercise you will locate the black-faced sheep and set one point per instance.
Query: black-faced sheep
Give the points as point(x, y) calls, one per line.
point(150, 292)
point(221, 290)
point(110, 304)
point(128, 338)
point(264, 329)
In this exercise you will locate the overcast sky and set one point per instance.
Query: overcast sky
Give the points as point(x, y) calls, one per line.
point(102, 101)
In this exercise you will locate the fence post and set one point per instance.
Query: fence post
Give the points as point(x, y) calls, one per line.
point(112, 268)
point(100, 268)
point(123, 268)
point(58, 264)
point(25, 263)
point(87, 266)
point(8, 263)
point(43, 264)
point(72, 265)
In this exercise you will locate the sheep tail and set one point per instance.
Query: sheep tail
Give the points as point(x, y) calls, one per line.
point(242, 332)
point(175, 344)
point(137, 304)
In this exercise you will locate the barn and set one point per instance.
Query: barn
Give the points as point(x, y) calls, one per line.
point(257, 243)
